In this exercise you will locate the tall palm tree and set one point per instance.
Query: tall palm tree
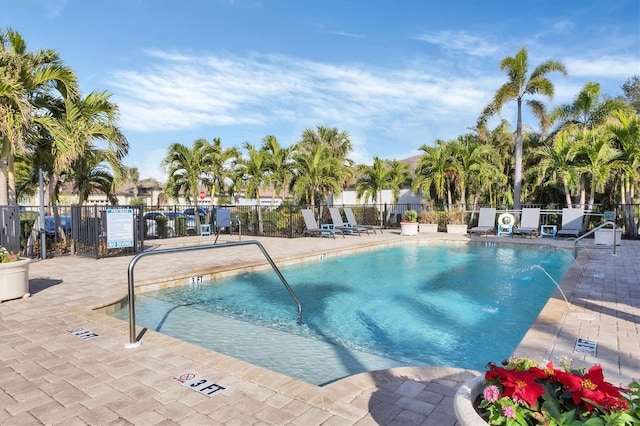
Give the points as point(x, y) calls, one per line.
point(519, 86)
point(31, 82)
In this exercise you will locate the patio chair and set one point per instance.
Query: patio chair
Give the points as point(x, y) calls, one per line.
point(571, 222)
point(529, 222)
point(486, 221)
point(312, 227)
point(351, 219)
point(345, 227)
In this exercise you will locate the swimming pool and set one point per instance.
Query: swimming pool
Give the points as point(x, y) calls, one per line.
point(458, 305)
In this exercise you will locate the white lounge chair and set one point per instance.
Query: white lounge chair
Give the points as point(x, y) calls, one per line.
point(312, 227)
point(340, 224)
point(486, 221)
point(529, 222)
point(571, 222)
point(351, 219)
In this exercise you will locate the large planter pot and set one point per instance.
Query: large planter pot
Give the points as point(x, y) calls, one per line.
point(463, 402)
point(409, 228)
point(14, 279)
point(605, 236)
point(428, 227)
point(457, 229)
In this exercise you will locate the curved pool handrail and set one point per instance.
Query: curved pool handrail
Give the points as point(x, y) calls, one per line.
point(132, 314)
point(608, 223)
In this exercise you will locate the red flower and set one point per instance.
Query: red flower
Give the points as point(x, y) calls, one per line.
point(521, 385)
point(592, 387)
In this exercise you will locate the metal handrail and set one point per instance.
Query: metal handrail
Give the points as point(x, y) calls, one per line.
point(132, 312)
point(575, 243)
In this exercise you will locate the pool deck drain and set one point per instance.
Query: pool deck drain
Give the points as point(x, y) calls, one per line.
point(49, 376)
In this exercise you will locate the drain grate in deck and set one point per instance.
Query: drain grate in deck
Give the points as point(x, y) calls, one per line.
point(587, 347)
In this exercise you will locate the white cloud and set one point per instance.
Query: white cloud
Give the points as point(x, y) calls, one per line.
point(460, 41)
point(180, 92)
point(604, 67)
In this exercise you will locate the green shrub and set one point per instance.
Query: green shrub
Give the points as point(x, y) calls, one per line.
point(181, 225)
point(161, 226)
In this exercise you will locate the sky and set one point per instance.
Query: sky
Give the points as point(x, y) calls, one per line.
point(394, 74)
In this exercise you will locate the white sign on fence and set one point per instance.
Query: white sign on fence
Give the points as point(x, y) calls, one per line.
point(119, 228)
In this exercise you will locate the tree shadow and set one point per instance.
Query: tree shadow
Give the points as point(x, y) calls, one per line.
point(36, 285)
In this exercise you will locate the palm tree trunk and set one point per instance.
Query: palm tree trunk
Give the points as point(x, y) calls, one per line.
point(517, 179)
point(583, 192)
point(4, 199)
point(11, 181)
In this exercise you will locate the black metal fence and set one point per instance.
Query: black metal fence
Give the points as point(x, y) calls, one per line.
point(83, 229)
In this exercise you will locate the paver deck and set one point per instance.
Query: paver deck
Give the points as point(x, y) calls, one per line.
point(49, 376)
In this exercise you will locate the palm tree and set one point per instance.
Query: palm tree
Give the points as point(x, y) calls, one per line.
point(186, 170)
point(599, 160)
point(587, 110)
point(556, 165)
point(381, 175)
point(253, 172)
point(31, 82)
point(316, 171)
point(372, 180)
point(85, 125)
point(133, 176)
point(279, 165)
point(339, 146)
point(520, 85)
point(92, 172)
point(218, 164)
point(467, 154)
point(433, 171)
point(626, 134)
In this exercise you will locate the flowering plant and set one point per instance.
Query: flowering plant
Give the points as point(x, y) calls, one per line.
point(8, 256)
point(521, 393)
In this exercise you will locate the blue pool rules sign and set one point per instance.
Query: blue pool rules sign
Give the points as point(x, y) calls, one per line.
point(119, 228)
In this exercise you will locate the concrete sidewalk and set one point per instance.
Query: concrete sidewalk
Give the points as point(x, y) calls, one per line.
point(49, 376)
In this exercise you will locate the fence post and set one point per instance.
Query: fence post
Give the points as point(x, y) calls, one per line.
point(96, 231)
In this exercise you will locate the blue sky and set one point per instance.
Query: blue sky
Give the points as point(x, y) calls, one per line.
point(394, 74)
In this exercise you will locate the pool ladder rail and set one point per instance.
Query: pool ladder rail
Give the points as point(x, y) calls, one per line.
point(133, 342)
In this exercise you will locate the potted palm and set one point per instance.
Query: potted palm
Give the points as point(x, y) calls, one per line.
point(14, 275)
point(456, 221)
point(428, 220)
point(409, 225)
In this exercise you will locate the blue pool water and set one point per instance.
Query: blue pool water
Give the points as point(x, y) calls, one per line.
point(448, 305)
